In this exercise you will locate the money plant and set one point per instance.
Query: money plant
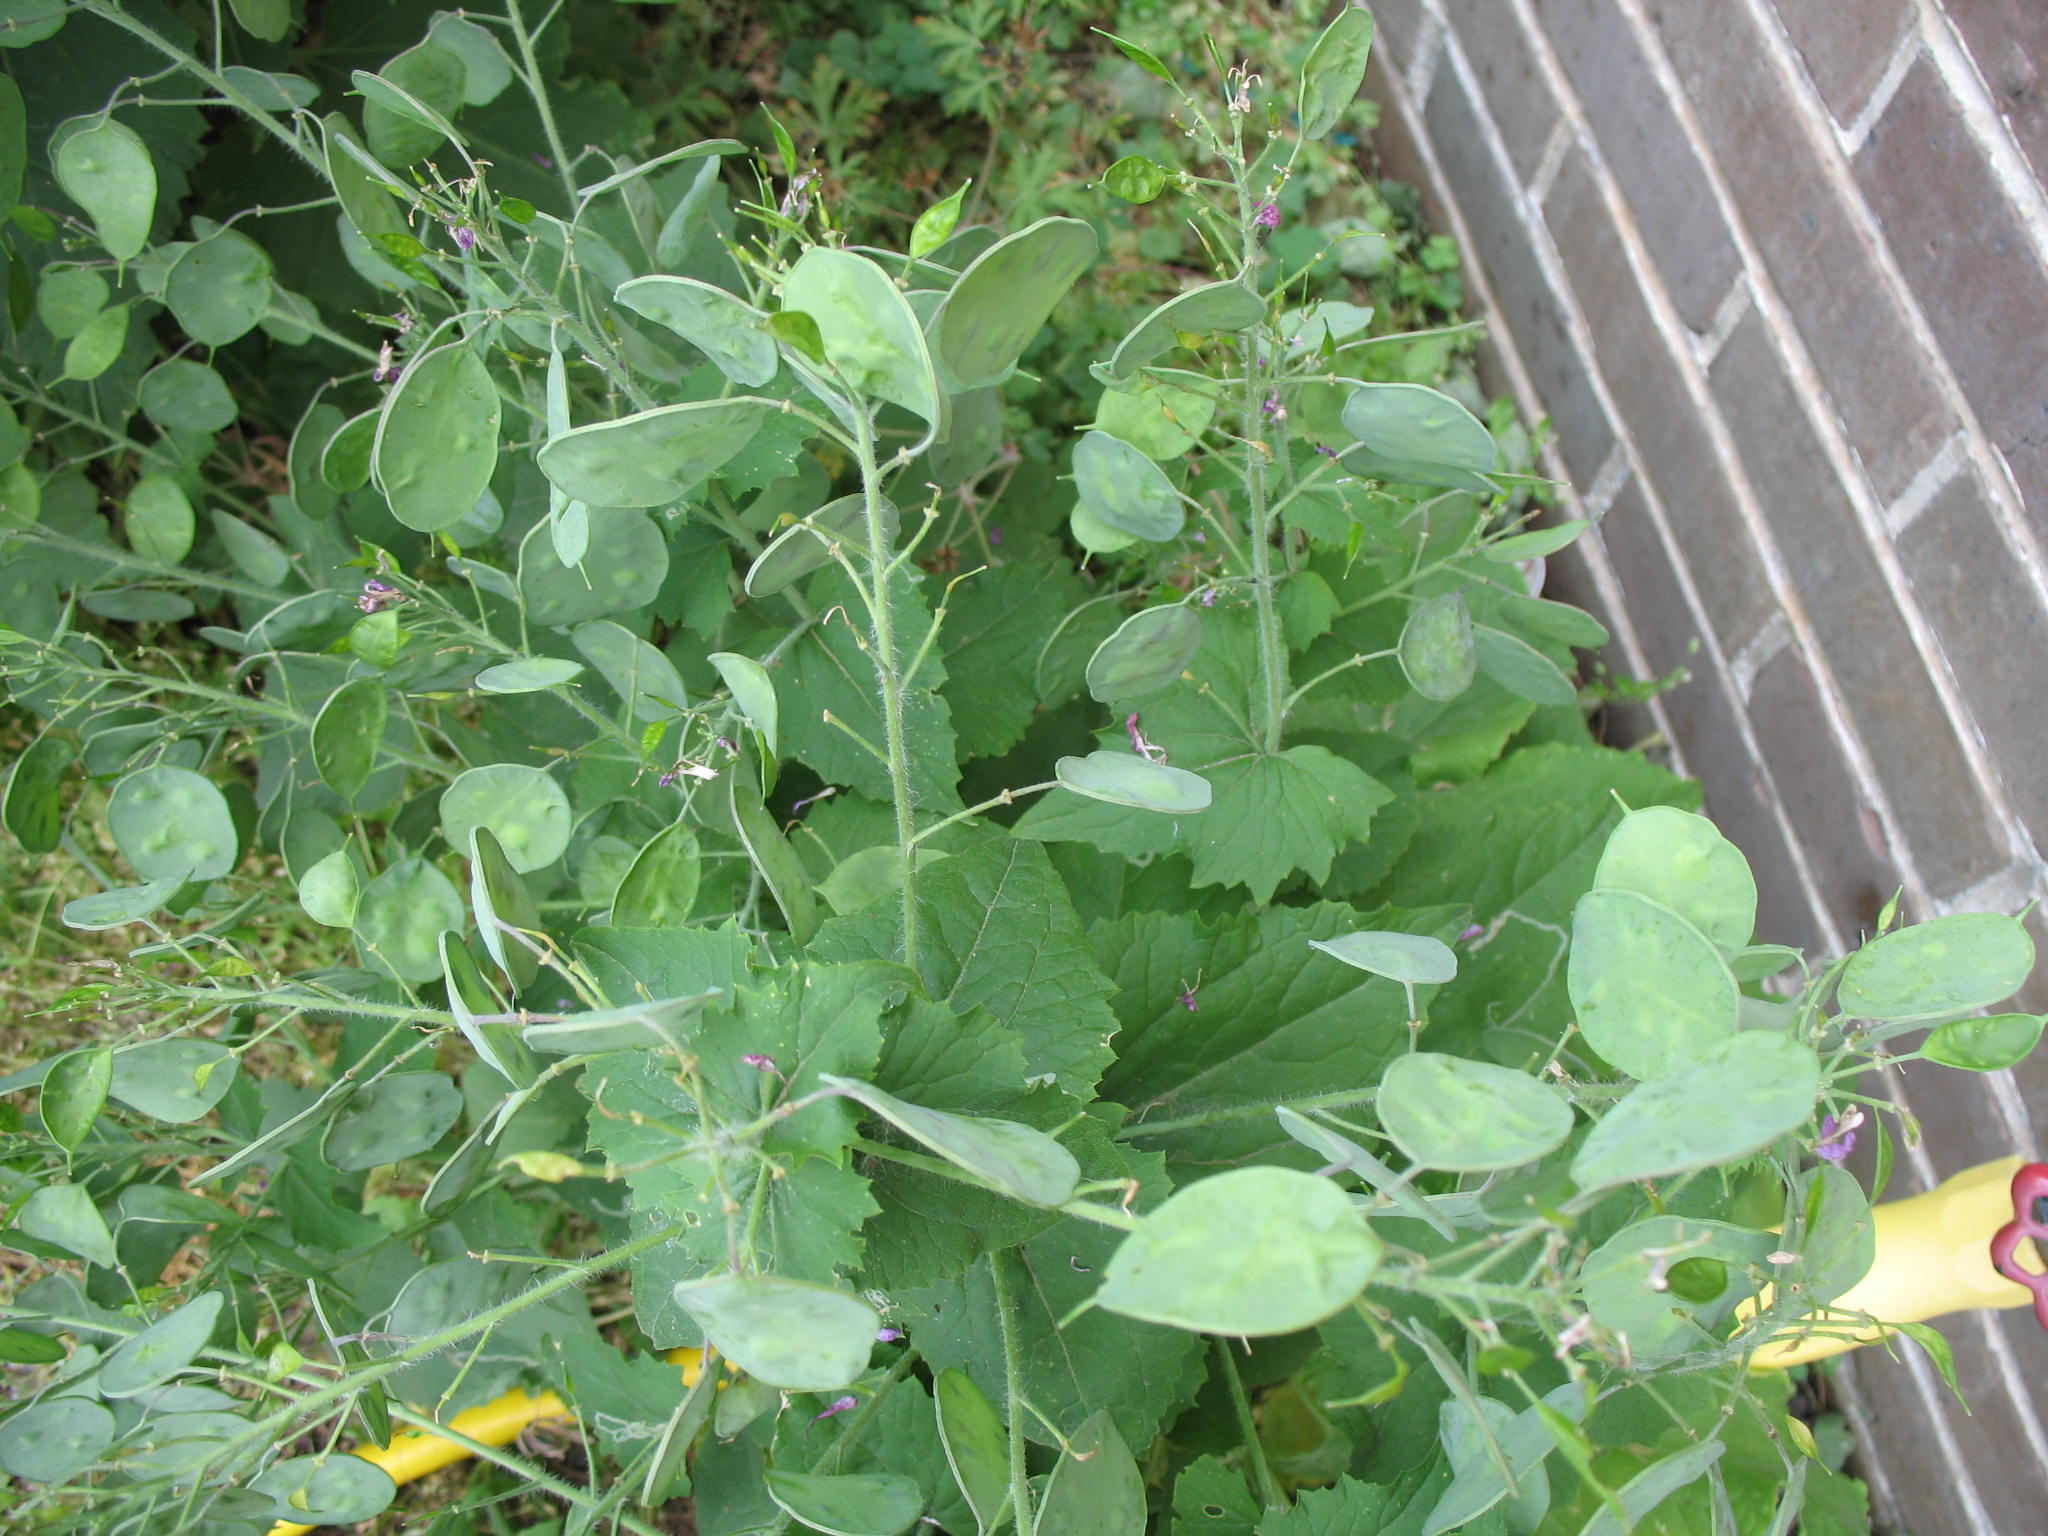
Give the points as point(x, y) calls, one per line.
point(1109, 995)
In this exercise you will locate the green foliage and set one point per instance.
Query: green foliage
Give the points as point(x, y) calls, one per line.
point(946, 811)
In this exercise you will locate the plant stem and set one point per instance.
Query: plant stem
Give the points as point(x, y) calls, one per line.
point(1272, 644)
point(888, 678)
point(541, 106)
point(1269, 1486)
point(1013, 1391)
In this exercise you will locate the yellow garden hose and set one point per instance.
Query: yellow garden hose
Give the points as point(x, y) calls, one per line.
point(417, 1452)
point(1933, 1257)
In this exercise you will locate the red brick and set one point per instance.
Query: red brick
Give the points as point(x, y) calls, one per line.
point(2009, 41)
point(1881, 382)
point(1967, 256)
point(1516, 89)
point(1845, 45)
point(1868, 647)
point(1645, 381)
point(1703, 717)
point(1833, 822)
point(1530, 310)
point(1641, 141)
point(1993, 630)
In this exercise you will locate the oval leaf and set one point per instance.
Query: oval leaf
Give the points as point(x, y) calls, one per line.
point(1437, 650)
point(1413, 959)
point(1470, 1116)
point(524, 808)
point(1948, 965)
point(871, 336)
point(1679, 860)
point(166, 1347)
point(1213, 307)
point(1125, 489)
point(172, 821)
point(529, 674)
point(1976, 1045)
point(395, 1117)
point(1252, 1252)
point(1651, 992)
point(1017, 1159)
point(1003, 299)
point(1736, 1101)
point(847, 1504)
point(1334, 70)
point(107, 171)
point(347, 733)
point(724, 327)
point(437, 439)
point(174, 1081)
point(807, 546)
point(789, 1333)
point(653, 458)
point(1410, 432)
point(73, 1093)
point(1122, 779)
point(1148, 652)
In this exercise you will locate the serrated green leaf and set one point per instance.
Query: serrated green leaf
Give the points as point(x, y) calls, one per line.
point(1266, 1029)
point(998, 932)
point(994, 627)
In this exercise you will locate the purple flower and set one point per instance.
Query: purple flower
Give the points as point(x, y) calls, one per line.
point(889, 1336)
point(1470, 934)
point(465, 237)
point(995, 537)
point(1208, 597)
point(1271, 406)
point(1268, 216)
point(837, 1405)
point(1838, 1137)
point(377, 597)
point(760, 1063)
point(387, 365)
point(1149, 751)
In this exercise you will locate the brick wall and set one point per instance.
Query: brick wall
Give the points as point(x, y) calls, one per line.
point(1777, 273)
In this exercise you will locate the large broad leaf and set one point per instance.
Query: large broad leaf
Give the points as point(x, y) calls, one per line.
point(1004, 297)
point(871, 336)
point(1680, 861)
point(824, 1019)
point(998, 932)
point(1270, 1025)
point(1269, 815)
point(1142, 1373)
point(831, 671)
point(994, 627)
point(1737, 1100)
point(1251, 1252)
point(655, 457)
point(1096, 1488)
point(1652, 992)
point(219, 287)
point(1148, 652)
point(1213, 307)
point(1945, 966)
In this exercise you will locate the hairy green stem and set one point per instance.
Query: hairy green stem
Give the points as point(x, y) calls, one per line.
point(1272, 643)
point(1013, 1391)
point(1262, 1470)
point(537, 88)
point(889, 679)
